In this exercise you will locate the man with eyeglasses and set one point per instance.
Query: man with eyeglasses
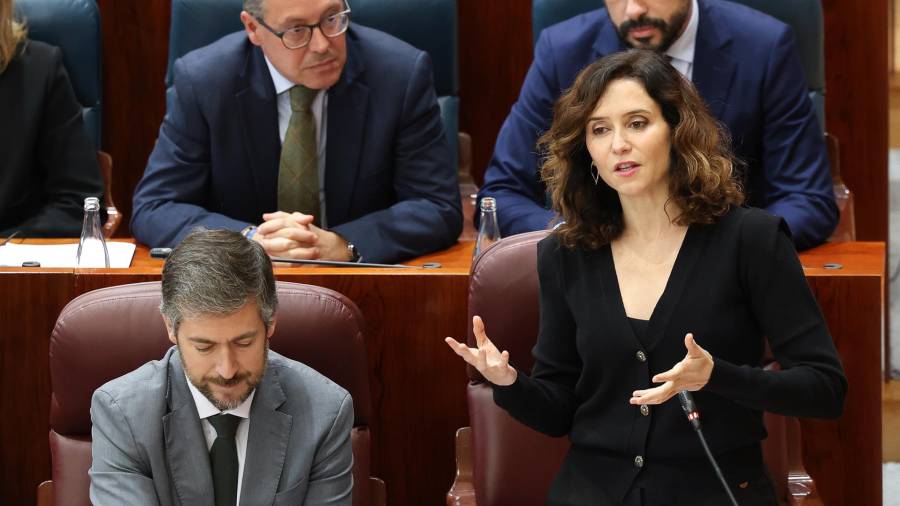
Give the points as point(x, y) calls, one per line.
point(314, 137)
point(744, 64)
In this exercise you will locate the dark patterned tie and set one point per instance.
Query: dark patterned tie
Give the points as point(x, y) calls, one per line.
point(298, 172)
point(224, 460)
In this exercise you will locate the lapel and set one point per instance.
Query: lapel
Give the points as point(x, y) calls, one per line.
point(608, 41)
point(257, 108)
point(267, 441)
point(186, 452)
point(348, 106)
point(713, 62)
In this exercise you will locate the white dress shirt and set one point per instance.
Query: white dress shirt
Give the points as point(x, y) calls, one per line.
point(206, 409)
point(319, 108)
point(682, 50)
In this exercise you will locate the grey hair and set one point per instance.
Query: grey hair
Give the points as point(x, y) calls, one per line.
point(216, 272)
point(254, 7)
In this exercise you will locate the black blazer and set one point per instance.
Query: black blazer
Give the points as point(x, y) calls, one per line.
point(733, 282)
point(48, 165)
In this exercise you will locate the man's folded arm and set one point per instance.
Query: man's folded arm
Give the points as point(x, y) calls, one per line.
point(797, 183)
point(427, 215)
point(172, 197)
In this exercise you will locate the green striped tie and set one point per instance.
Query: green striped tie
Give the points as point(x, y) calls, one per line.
point(298, 172)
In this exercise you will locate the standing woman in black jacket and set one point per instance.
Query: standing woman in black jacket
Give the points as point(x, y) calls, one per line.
point(659, 281)
point(48, 164)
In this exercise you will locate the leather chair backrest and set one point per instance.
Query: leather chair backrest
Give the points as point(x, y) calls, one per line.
point(74, 27)
point(106, 333)
point(430, 25)
point(803, 16)
point(512, 463)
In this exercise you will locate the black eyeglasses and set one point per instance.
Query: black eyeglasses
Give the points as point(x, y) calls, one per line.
point(300, 35)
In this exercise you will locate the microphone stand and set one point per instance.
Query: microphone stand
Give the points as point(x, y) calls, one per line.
point(693, 416)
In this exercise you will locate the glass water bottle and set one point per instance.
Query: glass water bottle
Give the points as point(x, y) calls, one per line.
point(488, 229)
point(92, 246)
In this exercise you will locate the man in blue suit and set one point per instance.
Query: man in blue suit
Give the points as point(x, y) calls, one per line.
point(745, 66)
point(316, 141)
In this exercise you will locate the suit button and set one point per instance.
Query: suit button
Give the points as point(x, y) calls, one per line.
point(645, 410)
point(641, 356)
point(639, 461)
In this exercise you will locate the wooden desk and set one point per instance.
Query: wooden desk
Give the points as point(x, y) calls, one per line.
point(418, 389)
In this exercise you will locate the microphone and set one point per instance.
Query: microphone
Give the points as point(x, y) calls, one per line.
point(689, 408)
point(693, 415)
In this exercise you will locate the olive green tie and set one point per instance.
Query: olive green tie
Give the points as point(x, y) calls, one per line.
point(298, 172)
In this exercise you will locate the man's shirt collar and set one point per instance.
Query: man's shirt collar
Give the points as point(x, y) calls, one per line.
point(684, 46)
point(206, 409)
point(282, 84)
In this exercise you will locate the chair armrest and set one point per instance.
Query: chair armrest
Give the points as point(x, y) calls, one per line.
point(378, 491)
point(113, 216)
point(45, 493)
point(801, 487)
point(464, 157)
point(462, 492)
point(846, 227)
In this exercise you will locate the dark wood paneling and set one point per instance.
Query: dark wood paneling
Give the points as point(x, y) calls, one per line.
point(495, 52)
point(29, 305)
point(856, 105)
point(844, 456)
point(135, 50)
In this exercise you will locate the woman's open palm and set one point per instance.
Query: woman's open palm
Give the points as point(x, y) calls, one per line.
point(490, 362)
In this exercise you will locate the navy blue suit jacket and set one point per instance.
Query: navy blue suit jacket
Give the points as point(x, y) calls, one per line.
point(747, 69)
point(390, 187)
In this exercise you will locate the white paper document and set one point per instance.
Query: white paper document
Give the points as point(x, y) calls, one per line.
point(61, 255)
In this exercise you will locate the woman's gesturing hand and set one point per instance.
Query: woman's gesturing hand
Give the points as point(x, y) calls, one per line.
point(691, 374)
point(490, 362)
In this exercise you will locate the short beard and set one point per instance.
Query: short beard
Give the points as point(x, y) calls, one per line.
point(252, 383)
point(670, 29)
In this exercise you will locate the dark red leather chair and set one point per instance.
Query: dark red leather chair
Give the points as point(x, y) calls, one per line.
point(502, 462)
point(106, 333)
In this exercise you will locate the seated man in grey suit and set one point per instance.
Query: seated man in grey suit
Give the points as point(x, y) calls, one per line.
point(221, 417)
point(316, 137)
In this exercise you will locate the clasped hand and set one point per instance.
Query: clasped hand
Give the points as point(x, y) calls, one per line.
point(294, 236)
point(691, 373)
point(490, 362)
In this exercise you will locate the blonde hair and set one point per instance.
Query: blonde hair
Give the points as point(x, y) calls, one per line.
point(12, 33)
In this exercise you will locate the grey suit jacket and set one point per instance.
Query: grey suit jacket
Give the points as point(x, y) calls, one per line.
point(148, 445)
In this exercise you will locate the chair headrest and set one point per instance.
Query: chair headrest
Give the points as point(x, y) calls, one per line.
point(74, 27)
point(503, 290)
point(545, 13)
point(107, 333)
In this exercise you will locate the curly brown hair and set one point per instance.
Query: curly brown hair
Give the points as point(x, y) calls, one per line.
point(702, 183)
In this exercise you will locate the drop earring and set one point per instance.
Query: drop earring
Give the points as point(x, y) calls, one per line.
point(595, 174)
